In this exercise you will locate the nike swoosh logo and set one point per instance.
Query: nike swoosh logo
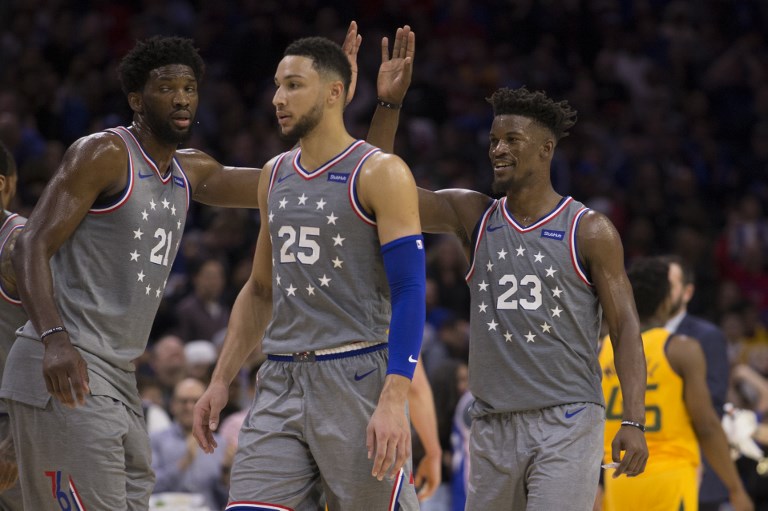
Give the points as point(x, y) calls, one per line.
point(359, 377)
point(412, 360)
point(145, 176)
point(281, 179)
point(568, 415)
point(494, 228)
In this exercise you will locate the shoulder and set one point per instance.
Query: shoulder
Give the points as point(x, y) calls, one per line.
point(382, 163)
point(100, 146)
point(594, 224)
point(683, 352)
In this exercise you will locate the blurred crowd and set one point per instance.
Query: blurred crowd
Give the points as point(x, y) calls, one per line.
point(671, 144)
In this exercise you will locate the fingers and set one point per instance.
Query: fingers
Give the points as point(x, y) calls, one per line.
point(384, 49)
point(411, 46)
point(402, 452)
point(205, 420)
point(399, 44)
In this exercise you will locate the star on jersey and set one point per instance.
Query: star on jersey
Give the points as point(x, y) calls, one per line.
point(324, 281)
point(283, 203)
point(492, 325)
point(538, 257)
point(557, 292)
point(483, 286)
point(137, 234)
point(482, 307)
point(507, 336)
point(166, 203)
point(332, 218)
point(338, 240)
point(140, 276)
point(148, 289)
point(502, 254)
point(152, 204)
point(520, 251)
point(337, 262)
point(530, 336)
point(489, 266)
point(310, 290)
point(551, 272)
point(291, 290)
point(546, 328)
point(145, 216)
point(556, 311)
point(321, 204)
point(271, 217)
point(134, 256)
point(178, 225)
point(302, 199)
point(157, 292)
point(173, 210)
point(277, 279)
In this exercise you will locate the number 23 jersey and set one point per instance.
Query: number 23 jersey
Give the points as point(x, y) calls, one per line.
point(535, 316)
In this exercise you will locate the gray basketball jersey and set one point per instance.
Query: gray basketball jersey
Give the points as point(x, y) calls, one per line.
point(12, 314)
point(535, 317)
point(329, 287)
point(109, 276)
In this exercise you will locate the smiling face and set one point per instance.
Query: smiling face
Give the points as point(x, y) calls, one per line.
point(299, 98)
point(168, 102)
point(519, 149)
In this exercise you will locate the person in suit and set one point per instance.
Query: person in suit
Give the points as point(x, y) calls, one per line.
point(712, 492)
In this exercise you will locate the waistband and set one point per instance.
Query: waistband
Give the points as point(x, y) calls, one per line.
point(348, 350)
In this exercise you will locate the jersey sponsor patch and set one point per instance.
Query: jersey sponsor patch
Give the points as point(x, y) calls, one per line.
point(179, 182)
point(553, 235)
point(338, 177)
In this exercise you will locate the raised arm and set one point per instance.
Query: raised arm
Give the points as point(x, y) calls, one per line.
point(93, 167)
point(250, 316)
point(386, 188)
point(687, 359)
point(601, 249)
point(216, 185)
point(391, 85)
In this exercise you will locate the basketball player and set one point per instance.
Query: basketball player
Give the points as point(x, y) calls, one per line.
point(679, 417)
point(93, 262)
point(12, 316)
point(340, 242)
point(542, 268)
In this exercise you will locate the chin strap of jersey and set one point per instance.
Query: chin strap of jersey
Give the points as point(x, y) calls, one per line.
point(404, 263)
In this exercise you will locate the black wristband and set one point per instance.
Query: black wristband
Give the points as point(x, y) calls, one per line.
point(387, 104)
point(51, 331)
point(634, 425)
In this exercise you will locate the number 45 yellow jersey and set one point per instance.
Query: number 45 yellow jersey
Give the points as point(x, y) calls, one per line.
point(669, 433)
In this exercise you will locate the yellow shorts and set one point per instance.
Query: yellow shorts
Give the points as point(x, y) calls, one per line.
point(672, 489)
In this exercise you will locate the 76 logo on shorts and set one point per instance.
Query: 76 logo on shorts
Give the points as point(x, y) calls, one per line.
point(67, 500)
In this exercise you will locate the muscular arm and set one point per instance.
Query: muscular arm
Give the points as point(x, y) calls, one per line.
point(687, 359)
point(601, 250)
point(216, 185)
point(7, 274)
point(250, 316)
point(92, 167)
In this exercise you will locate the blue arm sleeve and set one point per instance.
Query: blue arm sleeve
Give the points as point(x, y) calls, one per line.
point(405, 267)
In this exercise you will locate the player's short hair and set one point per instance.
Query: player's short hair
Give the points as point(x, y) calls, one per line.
point(157, 52)
point(327, 57)
point(557, 116)
point(649, 277)
point(7, 163)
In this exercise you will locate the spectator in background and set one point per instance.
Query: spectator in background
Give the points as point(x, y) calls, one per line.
point(712, 492)
point(200, 356)
point(179, 463)
point(168, 364)
point(202, 314)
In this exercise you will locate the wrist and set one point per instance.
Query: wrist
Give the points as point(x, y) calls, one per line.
point(391, 105)
point(633, 424)
point(53, 332)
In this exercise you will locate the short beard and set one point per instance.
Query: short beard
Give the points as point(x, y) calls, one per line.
point(500, 186)
point(165, 132)
point(305, 124)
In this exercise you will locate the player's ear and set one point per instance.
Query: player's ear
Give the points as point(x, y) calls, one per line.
point(336, 92)
point(547, 148)
point(135, 102)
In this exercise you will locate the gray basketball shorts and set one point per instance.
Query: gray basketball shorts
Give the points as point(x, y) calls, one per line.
point(95, 456)
point(305, 435)
point(10, 499)
point(536, 460)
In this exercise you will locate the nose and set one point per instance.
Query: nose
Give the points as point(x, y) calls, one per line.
point(181, 98)
point(498, 148)
point(279, 98)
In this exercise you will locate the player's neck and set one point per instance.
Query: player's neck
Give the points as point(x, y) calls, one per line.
point(160, 152)
point(323, 143)
point(529, 203)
